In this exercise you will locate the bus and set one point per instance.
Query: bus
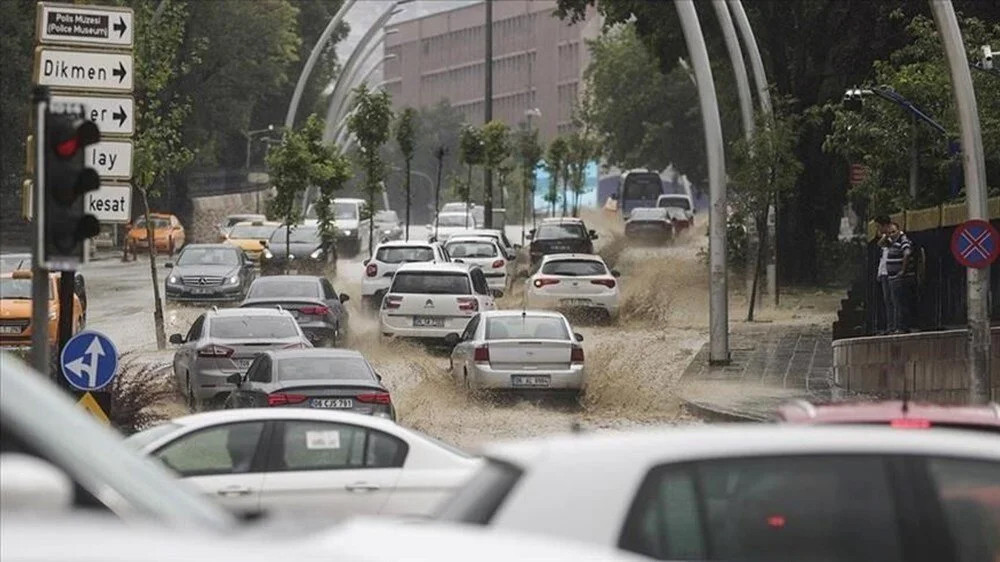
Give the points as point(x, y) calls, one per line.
point(639, 188)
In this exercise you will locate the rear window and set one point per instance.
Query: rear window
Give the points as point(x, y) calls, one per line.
point(405, 254)
point(472, 249)
point(680, 201)
point(248, 232)
point(646, 214)
point(456, 220)
point(328, 368)
point(478, 500)
point(431, 283)
point(245, 327)
point(526, 327)
point(574, 268)
point(560, 232)
point(386, 216)
point(283, 288)
point(16, 288)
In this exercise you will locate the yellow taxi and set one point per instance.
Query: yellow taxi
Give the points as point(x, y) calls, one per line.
point(15, 309)
point(251, 237)
point(168, 233)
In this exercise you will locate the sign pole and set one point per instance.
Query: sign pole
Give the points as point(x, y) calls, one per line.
point(66, 312)
point(39, 274)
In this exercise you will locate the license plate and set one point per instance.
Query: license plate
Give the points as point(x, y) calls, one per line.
point(293, 272)
point(243, 364)
point(428, 322)
point(10, 330)
point(575, 302)
point(335, 403)
point(533, 381)
point(199, 291)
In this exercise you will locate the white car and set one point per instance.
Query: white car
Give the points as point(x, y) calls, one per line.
point(431, 300)
point(748, 492)
point(450, 223)
point(387, 258)
point(679, 207)
point(484, 252)
point(509, 249)
point(574, 281)
point(305, 463)
point(519, 350)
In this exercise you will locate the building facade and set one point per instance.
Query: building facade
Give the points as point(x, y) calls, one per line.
point(538, 63)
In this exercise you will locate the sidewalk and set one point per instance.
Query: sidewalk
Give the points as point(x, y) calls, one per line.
point(770, 364)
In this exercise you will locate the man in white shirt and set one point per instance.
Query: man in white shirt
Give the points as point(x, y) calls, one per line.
point(883, 223)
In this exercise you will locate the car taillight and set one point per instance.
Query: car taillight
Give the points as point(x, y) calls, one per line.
point(468, 304)
point(216, 351)
point(498, 263)
point(481, 354)
point(297, 345)
point(576, 355)
point(609, 283)
point(910, 423)
point(392, 302)
point(375, 398)
point(371, 270)
point(315, 310)
point(282, 399)
point(543, 281)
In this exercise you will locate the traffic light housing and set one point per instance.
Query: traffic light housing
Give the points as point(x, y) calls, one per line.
point(67, 179)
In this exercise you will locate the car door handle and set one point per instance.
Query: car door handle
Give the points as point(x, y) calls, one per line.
point(231, 491)
point(361, 487)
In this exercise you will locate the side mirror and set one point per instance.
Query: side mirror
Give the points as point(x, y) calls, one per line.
point(30, 484)
point(344, 297)
point(366, 261)
point(263, 243)
point(235, 378)
point(578, 337)
point(458, 260)
point(168, 265)
point(379, 377)
point(452, 339)
point(176, 339)
point(497, 293)
point(517, 247)
point(616, 273)
point(593, 235)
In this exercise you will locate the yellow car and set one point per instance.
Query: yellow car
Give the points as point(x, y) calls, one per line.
point(168, 234)
point(251, 237)
point(15, 310)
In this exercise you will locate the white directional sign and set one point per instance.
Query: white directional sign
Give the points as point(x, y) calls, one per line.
point(83, 70)
point(86, 25)
point(110, 203)
point(111, 159)
point(113, 115)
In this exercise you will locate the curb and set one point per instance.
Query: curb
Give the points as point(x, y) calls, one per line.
point(716, 414)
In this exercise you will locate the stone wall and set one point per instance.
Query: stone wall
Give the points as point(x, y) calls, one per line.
point(209, 211)
point(930, 365)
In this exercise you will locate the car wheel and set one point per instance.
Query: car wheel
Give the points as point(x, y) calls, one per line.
point(468, 385)
point(190, 400)
point(170, 247)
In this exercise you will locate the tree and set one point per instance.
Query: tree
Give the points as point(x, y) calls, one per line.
point(406, 131)
point(17, 30)
point(329, 170)
point(765, 166)
point(160, 115)
point(471, 145)
point(555, 163)
point(370, 123)
point(496, 150)
point(529, 152)
point(582, 148)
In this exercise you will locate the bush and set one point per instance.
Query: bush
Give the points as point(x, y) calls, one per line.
point(141, 395)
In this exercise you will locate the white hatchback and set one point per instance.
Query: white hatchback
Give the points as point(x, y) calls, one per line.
point(574, 281)
point(432, 300)
point(448, 224)
point(387, 258)
point(484, 252)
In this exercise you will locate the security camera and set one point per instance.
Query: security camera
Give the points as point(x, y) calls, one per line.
point(987, 60)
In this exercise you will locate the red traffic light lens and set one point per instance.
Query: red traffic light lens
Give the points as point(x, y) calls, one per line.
point(67, 147)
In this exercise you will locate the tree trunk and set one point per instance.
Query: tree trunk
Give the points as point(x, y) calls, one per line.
point(437, 191)
point(161, 336)
point(761, 252)
point(288, 245)
point(407, 199)
point(468, 197)
point(565, 197)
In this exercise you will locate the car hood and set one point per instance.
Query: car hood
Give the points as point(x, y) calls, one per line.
point(346, 224)
point(15, 309)
point(246, 244)
point(298, 250)
point(204, 270)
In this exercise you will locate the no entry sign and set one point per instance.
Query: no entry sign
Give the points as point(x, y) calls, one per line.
point(975, 243)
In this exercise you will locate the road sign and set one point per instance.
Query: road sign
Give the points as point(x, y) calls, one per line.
point(112, 159)
point(105, 26)
point(110, 203)
point(83, 70)
point(975, 243)
point(90, 404)
point(89, 361)
point(113, 115)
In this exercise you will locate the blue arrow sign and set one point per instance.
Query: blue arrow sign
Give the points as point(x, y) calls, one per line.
point(89, 361)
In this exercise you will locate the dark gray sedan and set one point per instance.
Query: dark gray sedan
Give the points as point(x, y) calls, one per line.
point(336, 379)
point(209, 273)
point(313, 301)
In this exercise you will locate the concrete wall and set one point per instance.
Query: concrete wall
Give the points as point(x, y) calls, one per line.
point(932, 365)
point(209, 211)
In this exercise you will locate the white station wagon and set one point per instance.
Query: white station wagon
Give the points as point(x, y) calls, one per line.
point(431, 300)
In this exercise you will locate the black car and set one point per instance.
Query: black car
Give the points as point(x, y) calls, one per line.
point(387, 226)
point(561, 236)
point(303, 251)
point(336, 379)
point(209, 272)
point(314, 303)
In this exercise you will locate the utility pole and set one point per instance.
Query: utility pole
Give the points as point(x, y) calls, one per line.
point(974, 166)
point(39, 273)
point(488, 115)
point(718, 304)
point(440, 153)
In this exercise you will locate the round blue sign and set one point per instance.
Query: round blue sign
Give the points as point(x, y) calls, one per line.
point(89, 361)
point(975, 243)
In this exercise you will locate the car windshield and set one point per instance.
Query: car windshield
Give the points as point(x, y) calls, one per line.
point(471, 249)
point(642, 185)
point(138, 441)
point(404, 254)
point(277, 287)
point(675, 201)
point(193, 255)
point(574, 268)
point(526, 327)
point(456, 220)
point(12, 262)
point(345, 211)
point(251, 232)
point(300, 235)
point(646, 214)
point(453, 207)
point(234, 220)
point(15, 288)
point(250, 327)
point(431, 283)
point(328, 368)
point(157, 222)
point(560, 232)
point(386, 216)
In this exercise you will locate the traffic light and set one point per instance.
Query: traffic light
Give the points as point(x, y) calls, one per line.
point(67, 179)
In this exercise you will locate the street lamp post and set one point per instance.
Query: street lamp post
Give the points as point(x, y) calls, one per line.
point(528, 114)
point(439, 153)
point(250, 135)
point(344, 108)
point(343, 94)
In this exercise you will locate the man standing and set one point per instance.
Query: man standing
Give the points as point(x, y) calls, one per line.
point(902, 272)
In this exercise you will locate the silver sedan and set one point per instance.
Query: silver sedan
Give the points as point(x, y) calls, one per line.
point(519, 350)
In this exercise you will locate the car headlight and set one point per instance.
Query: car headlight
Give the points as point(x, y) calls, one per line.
point(347, 233)
point(317, 254)
point(266, 254)
point(172, 280)
point(234, 280)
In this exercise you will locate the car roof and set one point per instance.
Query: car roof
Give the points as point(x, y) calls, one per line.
point(561, 257)
point(429, 266)
point(528, 312)
point(218, 417)
point(349, 200)
point(287, 278)
point(262, 311)
point(454, 213)
point(470, 238)
point(405, 244)
point(257, 223)
point(987, 415)
point(212, 246)
point(556, 220)
point(314, 352)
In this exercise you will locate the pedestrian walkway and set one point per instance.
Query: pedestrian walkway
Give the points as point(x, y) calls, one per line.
point(770, 364)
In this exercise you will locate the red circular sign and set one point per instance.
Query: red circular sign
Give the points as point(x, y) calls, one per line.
point(975, 243)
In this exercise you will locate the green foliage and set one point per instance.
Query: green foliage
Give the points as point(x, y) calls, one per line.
point(370, 123)
point(471, 145)
point(496, 144)
point(582, 148)
point(555, 164)
point(407, 125)
point(529, 153)
point(17, 27)
point(765, 166)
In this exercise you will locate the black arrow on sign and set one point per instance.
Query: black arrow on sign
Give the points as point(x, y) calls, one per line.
point(119, 72)
point(120, 116)
point(120, 27)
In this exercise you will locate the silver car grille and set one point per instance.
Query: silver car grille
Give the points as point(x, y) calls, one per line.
point(202, 280)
